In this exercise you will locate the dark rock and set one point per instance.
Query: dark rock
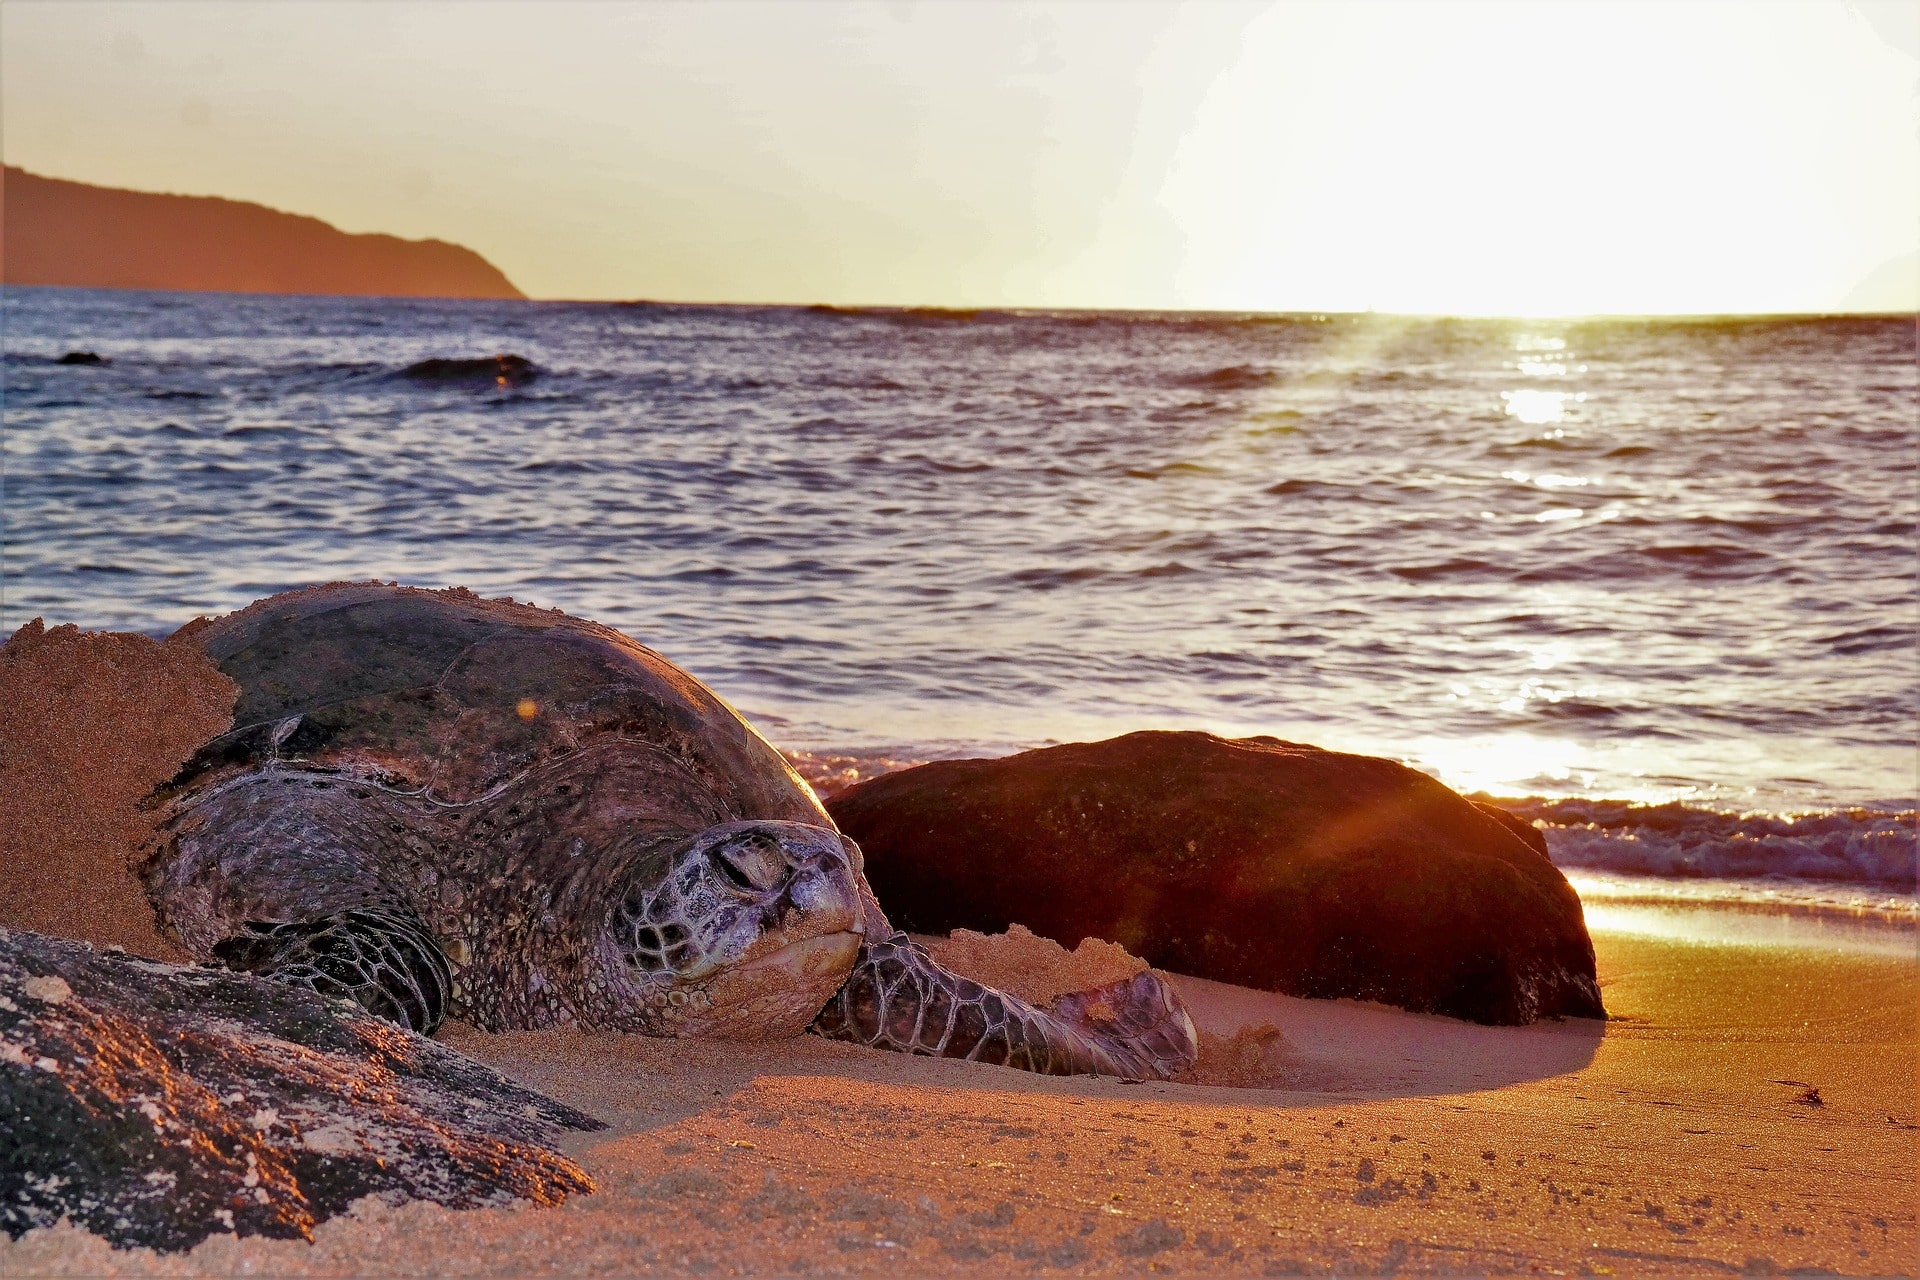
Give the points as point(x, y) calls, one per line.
point(81, 357)
point(157, 1105)
point(1516, 824)
point(501, 370)
point(1256, 861)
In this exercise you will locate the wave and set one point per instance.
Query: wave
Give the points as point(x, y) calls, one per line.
point(1865, 846)
point(1694, 561)
point(573, 466)
point(1319, 488)
point(1238, 377)
point(1463, 566)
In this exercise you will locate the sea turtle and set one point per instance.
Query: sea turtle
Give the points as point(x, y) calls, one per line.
point(437, 804)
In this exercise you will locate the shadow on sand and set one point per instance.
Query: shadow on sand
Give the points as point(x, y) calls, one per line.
point(1326, 1049)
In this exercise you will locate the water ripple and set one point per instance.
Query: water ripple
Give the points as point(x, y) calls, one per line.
point(1690, 577)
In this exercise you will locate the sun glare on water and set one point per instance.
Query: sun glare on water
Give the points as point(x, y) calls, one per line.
point(1539, 408)
point(1503, 764)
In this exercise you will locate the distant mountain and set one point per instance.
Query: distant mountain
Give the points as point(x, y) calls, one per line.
point(71, 233)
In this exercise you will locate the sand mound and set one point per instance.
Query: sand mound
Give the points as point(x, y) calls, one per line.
point(1021, 963)
point(1038, 969)
point(91, 722)
point(1256, 1057)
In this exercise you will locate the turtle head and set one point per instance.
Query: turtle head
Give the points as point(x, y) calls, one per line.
point(750, 930)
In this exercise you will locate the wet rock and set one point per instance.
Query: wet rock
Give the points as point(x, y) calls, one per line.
point(156, 1105)
point(82, 357)
point(1254, 861)
point(1528, 833)
point(500, 370)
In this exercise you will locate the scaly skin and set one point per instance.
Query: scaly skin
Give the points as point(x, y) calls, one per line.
point(898, 998)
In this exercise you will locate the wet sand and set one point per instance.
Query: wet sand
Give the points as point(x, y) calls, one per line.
point(1678, 1138)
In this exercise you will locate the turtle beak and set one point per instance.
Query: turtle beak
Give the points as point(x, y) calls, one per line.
point(797, 877)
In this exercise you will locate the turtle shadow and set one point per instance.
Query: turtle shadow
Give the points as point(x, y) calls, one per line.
point(1292, 1044)
point(632, 1082)
point(1306, 1051)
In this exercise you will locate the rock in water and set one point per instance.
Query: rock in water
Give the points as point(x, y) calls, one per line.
point(500, 370)
point(157, 1105)
point(1253, 861)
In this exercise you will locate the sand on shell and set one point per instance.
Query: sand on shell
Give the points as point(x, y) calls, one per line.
point(1021, 963)
point(90, 722)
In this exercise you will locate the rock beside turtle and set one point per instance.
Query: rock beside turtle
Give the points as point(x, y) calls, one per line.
point(1254, 861)
point(156, 1105)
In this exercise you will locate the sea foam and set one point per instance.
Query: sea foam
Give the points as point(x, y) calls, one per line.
point(1858, 846)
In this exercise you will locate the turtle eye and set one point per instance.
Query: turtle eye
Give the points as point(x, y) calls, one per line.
point(753, 863)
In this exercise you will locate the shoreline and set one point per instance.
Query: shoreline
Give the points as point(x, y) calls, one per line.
point(1678, 1136)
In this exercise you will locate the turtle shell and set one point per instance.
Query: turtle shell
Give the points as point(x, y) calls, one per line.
point(457, 695)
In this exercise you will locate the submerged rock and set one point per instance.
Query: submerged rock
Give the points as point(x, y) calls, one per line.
point(1254, 861)
point(501, 370)
point(157, 1105)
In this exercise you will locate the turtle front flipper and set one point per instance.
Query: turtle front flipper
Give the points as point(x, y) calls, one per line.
point(382, 958)
point(898, 998)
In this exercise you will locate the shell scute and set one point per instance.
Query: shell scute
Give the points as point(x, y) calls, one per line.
point(294, 663)
point(459, 695)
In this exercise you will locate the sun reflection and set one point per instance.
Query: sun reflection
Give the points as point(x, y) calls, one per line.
point(1539, 691)
point(1747, 924)
point(1547, 655)
point(1540, 407)
point(1541, 357)
point(1504, 764)
point(1546, 480)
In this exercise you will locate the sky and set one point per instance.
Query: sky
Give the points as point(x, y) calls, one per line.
point(1522, 157)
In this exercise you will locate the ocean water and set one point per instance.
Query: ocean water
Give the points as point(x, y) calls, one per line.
point(1651, 580)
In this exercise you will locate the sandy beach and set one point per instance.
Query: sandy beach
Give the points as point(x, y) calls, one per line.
point(1679, 1137)
point(535, 545)
point(1747, 1107)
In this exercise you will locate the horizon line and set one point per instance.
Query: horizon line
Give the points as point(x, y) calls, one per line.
point(1316, 314)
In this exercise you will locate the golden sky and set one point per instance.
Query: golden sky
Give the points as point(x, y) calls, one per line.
point(1503, 156)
